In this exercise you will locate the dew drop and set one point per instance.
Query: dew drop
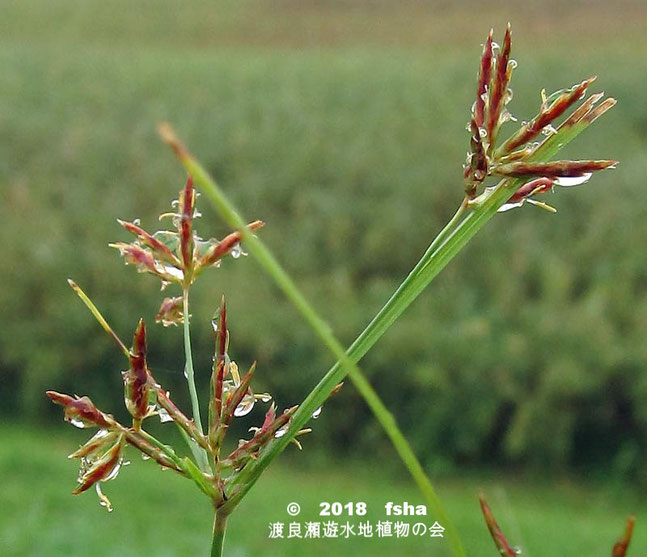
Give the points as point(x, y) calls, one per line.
point(281, 431)
point(103, 500)
point(173, 271)
point(137, 222)
point(78, 422)
point(264, 397)
point(512, 64)
point(186, 373)
point(164, 416)
point(482, 132)
point(316, 413)
point(568, 181)
point(548, 130)
point(245, 406)
point(145, 456)
point(507, 206)
point(237, 251)
point(495, 47)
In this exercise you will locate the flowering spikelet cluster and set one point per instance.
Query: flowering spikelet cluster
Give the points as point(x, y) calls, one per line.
point(177, 256)
point(521, 155)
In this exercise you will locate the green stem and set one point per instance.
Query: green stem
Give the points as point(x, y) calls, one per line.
point(219, 530)
point(444, 247)
point(198, 452)
point(168, 452)
point(346, 366)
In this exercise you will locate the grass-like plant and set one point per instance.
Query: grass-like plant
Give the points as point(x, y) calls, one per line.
point(498, 175)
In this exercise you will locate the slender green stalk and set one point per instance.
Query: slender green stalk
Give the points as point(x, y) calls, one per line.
point(461, 228)
point(450, 240)
point(97, 315)
point(198, 452)
point(323, 331)
point(219, 531)
point(170, 453)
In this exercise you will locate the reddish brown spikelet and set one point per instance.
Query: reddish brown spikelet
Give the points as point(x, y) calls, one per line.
point(553, 169)
point(485, 73)
point(582, 110)
point(476, 170)
point(81, 408)
point(497, 535)
point(160, 249)
point(621, 546)
point(270, 426)
point(94, 444)
point(137, 255)
point(101, 469)
point(137, 377)
point(270, 415)
point(498, 88)
point(226, 245)
point(186, 224)
point(534, 187)
point(546, 115)
point(220, 362)
point(171, 312)
point(599, 110)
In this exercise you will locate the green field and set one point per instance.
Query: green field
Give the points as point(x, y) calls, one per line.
point(165, 516)
point(340, 124)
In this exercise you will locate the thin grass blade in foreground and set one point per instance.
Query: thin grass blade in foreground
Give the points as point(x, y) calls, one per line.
point(318, 396)
point(472, 214)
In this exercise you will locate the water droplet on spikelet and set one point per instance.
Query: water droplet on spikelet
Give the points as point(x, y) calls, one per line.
point(568, 181)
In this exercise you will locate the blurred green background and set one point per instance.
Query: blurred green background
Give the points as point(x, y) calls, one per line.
point(341, 124)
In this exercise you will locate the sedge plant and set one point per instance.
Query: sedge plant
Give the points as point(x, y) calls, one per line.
point(499, 175)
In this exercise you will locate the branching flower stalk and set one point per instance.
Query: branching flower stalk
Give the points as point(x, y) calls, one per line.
point(176, 256)
point(522, 167)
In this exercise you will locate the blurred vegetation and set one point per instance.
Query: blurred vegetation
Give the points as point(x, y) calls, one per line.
point(344, 130)
point(543, 518)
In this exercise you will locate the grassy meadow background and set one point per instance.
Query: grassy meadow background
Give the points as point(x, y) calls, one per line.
point(521, 371)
